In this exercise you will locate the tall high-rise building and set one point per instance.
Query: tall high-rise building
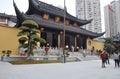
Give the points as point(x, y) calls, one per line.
point(107, 23)
point(112, 18)
point(90, 9)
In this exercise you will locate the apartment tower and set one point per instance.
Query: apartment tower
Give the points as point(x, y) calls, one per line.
point(89, 9)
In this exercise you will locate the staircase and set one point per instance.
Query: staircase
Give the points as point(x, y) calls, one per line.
point(79, 56)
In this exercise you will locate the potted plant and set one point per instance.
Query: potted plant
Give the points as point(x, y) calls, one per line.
point(8, 52)
point(3, 52)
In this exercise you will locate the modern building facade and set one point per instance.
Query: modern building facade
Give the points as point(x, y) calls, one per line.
point(112, 18)
point(109, 21)
point(90, 9)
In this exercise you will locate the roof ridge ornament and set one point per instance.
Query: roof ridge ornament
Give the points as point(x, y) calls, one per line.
point(19, 15)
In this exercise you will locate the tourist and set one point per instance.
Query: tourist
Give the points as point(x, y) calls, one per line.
point(72, 48)
point(103, 58)
point(116, 59)
point(107, 58)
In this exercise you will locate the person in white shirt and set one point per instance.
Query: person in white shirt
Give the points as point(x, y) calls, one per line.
point(116, 59)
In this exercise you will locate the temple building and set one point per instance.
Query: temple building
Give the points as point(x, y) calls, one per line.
point(116, 40)
point(52, 23)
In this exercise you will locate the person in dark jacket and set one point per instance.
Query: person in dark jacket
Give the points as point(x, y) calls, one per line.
point(107, 58)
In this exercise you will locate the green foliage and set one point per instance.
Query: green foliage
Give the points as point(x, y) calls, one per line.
point(42, 40)
point(109, 45)
point(22, 40)
point(23, 32)
point(29, 36)
point(3, 52)
point(30, 24)
point(6, 52)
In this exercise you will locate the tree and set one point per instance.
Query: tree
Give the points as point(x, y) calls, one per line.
point(29, 36)
point(109, 45)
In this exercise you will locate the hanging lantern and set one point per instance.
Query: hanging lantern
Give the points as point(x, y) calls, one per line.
point(61, 33)
point(41, 29)
point(75, 25)
point(57, 19)
point(78, 35)
point(46, 16)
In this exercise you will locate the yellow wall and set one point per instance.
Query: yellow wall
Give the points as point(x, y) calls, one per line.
point(9, 39)
point(97, 44)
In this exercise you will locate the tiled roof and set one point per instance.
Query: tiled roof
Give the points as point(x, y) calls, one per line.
point(48, 23)
point(5, 15)
point(48, 8)
point(116, 37)
point(59, 26)
point(10, 17)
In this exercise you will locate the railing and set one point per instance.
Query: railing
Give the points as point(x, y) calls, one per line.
point(40, 51)
point(52, 54)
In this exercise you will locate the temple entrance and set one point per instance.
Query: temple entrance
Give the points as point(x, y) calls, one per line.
point(54, 40)
point(44, 36)
point(67, 40)
point(81, 42)
point(84, 43)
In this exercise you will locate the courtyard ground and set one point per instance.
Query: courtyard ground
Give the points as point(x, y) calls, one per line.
point(90, 69)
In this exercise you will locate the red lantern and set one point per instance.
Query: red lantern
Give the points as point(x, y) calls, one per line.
point(75, 25)
point(78, 35)
point(61, 33)
point(46, 49)
point(41, 29)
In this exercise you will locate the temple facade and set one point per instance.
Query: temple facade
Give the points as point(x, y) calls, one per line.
point(53, 24)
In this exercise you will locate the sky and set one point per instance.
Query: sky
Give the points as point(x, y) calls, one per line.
point(6, 6)
point(73, 70)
